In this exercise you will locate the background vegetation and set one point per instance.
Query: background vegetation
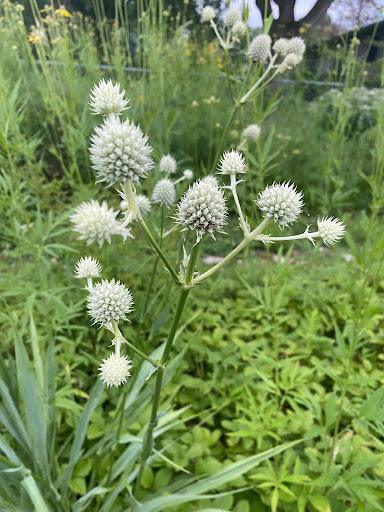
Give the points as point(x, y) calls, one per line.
point(282, 346)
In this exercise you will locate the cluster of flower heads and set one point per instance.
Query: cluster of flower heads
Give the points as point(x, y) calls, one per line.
point(107, 303)
point(290, 50)
point(234, 26)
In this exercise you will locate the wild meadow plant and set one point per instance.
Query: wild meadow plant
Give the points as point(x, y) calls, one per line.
point(121, 157)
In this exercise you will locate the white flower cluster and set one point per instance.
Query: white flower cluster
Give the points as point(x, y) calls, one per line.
point(331, 230)
point(281, 202)
point(96, 222)
point(87, 268)
point(164, 193)
point(167, 164)
point(232, 162)
point(232, 17)
point(260, 48)
point(109, 300)
point(115, 370)
point(251, 132)
point(208, 13)
point(106, 98)
point(202, 208)
point(234, 25)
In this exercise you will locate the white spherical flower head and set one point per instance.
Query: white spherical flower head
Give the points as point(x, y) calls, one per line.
point(239, 29)
point(114, 370)
point(109, 300)
point(252, 132)
point(281, 46)
point(87, 268)
point(260, 48)
point(232, 162)
point(167, 164)
point(96, 222)
point(232, 16)
point(188, 174)
point(281, 202)
point(208, 14)
point(296, 45)
point(202, 208)
point(291, 61)
point(164, 193)
point(331, 230)
point(211, 180)
point(119, 152)
point(144, 204)
point(106, 98)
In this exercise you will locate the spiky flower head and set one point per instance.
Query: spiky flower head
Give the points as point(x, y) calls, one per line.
point(291, 60)
point(106, 98)
point(109, 300)
point(208, 13)
point(260, 48)
point(239, 28)
point(331, 230)
point(232, 16)
point(281, 46)
point(252, 132)
point(188, 174)
point(119, 152)
point(232, 162)
point(96, 222)
point(87, 268)
point(164, 193)
point(202, 208)
point(114, 370)
point(211, 180)
point(167, 164)
point(281, 202)
point(296, 45)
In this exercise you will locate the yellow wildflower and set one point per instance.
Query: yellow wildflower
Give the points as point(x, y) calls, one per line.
point(302, 30)
point(140, 99)
point(296, 152)
point(62, 11)
point(34, 37)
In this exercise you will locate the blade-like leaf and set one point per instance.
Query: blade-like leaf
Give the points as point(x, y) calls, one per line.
point(34, 494)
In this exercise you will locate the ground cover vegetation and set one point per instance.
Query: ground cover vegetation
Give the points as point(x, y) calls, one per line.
point(273, 398)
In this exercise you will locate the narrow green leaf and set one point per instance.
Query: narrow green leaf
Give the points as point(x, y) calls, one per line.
point(34, 494)
point(36, 351)
point(82, 502)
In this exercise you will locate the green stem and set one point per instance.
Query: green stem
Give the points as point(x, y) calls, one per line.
point(246, 241)
point(148, 437)
point(157, 248)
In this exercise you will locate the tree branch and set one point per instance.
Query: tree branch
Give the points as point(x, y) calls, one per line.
point(317, 13)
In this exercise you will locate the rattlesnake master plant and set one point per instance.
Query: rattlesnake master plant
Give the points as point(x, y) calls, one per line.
point(201, 211)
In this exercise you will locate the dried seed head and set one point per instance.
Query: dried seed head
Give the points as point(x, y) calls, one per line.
point(331, 230)
point(119, 152)
point(164, 193)
point(239, 28)
point(291, 60)
point(296, 45)
point(232, 162)
point(109, 300)
point(202, 208)
point(96, 222)
point(260, 48)
point(106, 98)
point(281, 46)
point(87, 268)
point(114, 370)
point(281, 202)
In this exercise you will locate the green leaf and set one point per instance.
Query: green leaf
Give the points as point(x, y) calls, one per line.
point(373, 407)
point(82, 502)
point(320, 503)
point(32, 398)
point(34, 494)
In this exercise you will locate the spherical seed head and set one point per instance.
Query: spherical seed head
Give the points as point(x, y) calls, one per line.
point(239, 28)
point(281, 202)
point(164, 193)
point(144, 204)
point(119, 152)
point(208, 14)
point(109, 300)
point(281, 46)
point(167, 164)
point(252, 132)
point(211, 180)
point(106, 98)
point(87, 268)
point(296, 45)
point(232, 16)
point(114, 370)
point(291, 60)
point(188, 174)
point(202, 208)
point(232, 162)
point(96, 222)
point(260, 48)
point(331, 230)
